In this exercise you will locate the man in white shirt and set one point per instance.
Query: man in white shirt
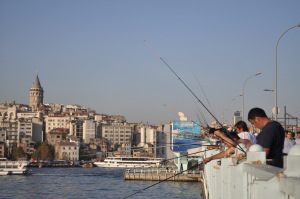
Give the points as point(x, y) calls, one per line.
point(297, 140)
point(243, 131)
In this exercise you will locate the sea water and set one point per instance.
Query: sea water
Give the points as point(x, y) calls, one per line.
point(90, 183)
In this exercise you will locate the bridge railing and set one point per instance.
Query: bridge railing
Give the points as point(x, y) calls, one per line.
point(252, 178)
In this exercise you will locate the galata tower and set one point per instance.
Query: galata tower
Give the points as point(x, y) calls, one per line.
point(36, 94)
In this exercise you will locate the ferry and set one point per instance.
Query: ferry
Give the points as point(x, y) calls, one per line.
point(129, 162)
point(8, 167)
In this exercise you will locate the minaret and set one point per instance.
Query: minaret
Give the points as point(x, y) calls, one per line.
point(36, 94)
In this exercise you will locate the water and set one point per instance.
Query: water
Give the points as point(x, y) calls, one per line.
point(89, 183)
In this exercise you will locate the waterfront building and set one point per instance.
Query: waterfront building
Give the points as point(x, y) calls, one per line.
point(36, 94)
point(54, 122)
point(8, 112)
point(89, 130)
point(76, 129)
point(31, 128)
point(164, 140)
point(2, 149)
point(148, 140)
point(100, 145)
point(28, 114)
point(66, 151)
point(2, 134)
point(27, 144)
point(57, 135)
point(117, 134)
point(237, 117)
point(12, 136)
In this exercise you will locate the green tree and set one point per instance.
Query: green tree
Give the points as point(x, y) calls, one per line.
point(19, 153)
point(44, 152)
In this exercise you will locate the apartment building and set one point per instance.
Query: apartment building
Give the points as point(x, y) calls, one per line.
point(117, 134)
point(57, 122)
point(66, 151)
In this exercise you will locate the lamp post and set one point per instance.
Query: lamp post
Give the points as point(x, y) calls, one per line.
point(230, 107)
point(243, 90)
point(276, 108)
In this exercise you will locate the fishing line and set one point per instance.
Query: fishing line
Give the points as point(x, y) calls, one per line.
point(179, 156)
point(193, 94)
point(204, 93)
point(162, 181)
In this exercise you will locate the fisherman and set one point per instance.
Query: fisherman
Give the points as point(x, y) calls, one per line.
point(271, 137)
point(298, 138)
point(243, 131)
point(289, 142)
point(213, 139)
point(229, 143)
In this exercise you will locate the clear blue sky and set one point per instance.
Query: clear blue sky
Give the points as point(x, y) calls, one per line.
point(93, 53)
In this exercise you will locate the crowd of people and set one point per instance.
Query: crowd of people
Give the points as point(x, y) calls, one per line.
point(275, 141)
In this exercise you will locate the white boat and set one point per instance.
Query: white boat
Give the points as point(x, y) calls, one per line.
point(129, 162)
point(8, 167)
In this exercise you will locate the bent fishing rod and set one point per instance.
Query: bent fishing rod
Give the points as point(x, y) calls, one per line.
point(163, 180)
point(166, 64)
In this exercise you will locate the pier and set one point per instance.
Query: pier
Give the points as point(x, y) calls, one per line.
point(162, 174)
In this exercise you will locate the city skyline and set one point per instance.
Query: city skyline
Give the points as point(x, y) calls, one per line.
point(93, 54)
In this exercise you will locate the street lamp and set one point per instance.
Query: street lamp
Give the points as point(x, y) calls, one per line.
point(244, 93)
point(276, 108)
point(230, 107)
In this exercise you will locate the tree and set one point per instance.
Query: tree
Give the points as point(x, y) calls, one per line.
point(19, 153)
point(44, 152)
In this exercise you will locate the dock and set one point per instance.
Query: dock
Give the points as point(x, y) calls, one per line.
point(162, 174)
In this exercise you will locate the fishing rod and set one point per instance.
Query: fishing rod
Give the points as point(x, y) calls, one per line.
point(166, 64)
point(163, 180)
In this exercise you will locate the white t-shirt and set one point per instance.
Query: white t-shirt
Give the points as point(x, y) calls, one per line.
point(248, 136)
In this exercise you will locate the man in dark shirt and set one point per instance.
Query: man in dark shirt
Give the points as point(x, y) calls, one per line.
point(271, 137)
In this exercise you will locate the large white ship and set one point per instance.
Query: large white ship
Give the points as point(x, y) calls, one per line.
point(129, 162)
point(8, 167)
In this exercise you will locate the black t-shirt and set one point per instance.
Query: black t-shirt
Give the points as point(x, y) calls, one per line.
point(272, 137)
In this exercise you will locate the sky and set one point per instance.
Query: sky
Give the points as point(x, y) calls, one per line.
point(93, 53)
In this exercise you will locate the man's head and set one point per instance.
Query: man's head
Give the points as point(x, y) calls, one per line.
point(289, 135)
point(241, 126)
point(257, 117)
point(211, 133)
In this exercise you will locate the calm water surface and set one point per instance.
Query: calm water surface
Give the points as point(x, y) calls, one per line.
point(89, 183)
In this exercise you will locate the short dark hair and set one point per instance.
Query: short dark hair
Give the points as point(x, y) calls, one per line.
point(241, 125)
point(212, 131)
point(256, 112)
